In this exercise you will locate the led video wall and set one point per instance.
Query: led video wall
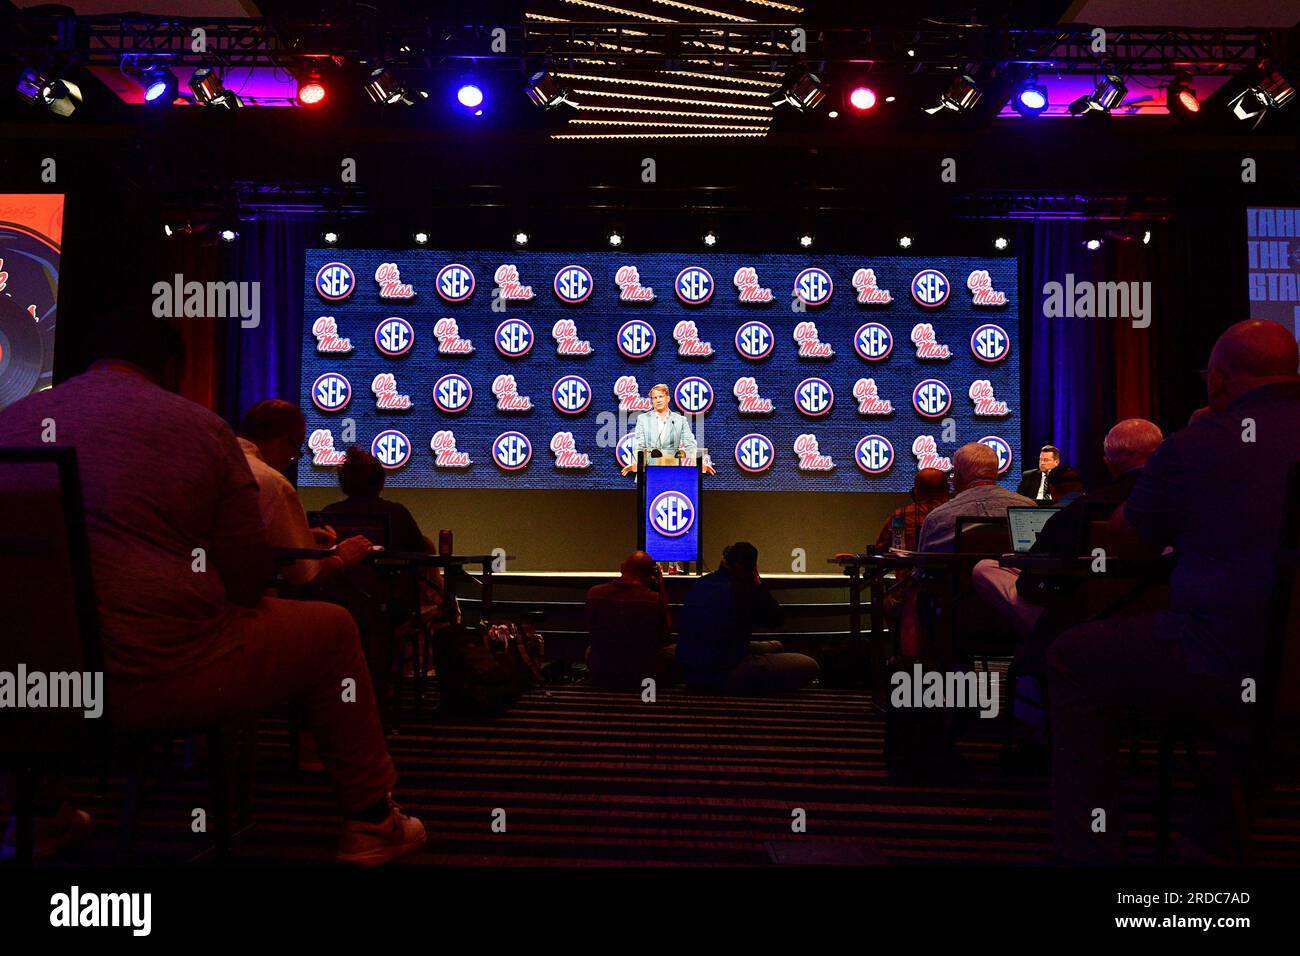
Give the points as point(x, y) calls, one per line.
point(529, 369)
point(31, 230)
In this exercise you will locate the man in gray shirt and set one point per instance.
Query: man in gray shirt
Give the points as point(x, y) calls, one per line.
point(975, 477)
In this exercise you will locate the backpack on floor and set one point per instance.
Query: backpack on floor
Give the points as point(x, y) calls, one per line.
point(482, 672)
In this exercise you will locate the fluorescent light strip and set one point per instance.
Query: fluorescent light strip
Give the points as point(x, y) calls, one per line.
point(613, 122)
point(614, 46)
point(776, 6)
point(721, 78)
point(705, 10)
point(619, 10)
point(538, 16)
point(659, 135)
point(675, 99)
point(656, 83)
point(586, 107)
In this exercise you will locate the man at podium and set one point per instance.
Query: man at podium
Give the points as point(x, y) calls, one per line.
point(663, 431)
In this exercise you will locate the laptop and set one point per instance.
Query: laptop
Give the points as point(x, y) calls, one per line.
point(1024, 525)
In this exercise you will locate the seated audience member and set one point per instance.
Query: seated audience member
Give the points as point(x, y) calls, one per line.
point(629, 625)
point(271, 437)
point(1020, 598)
point(161, 477)
point(361, 479)
point(1033, 483)
point(929, 490)
point(975, 479)
point(1218, 499)
point(1064, 484)
point(717, 621)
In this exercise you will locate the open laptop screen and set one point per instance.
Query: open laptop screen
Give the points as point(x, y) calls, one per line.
point(1024, 525)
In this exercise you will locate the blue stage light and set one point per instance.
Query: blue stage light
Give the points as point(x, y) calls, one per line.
point(469, 96)
point(1030, 99)
point(160, 85)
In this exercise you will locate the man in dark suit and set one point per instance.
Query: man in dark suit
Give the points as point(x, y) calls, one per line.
point(1033, 483)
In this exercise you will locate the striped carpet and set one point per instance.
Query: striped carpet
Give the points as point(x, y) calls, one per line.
point(592, 778)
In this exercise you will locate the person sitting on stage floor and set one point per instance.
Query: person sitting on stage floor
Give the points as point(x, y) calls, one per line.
point(1217, 492)
point(271, 436)
point(714, 646)
point(629, 626)
point(163, 479)
point(1033, 483)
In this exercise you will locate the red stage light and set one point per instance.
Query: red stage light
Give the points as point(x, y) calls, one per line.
point(1187, 99)
point(311, 92)
point(862, 98)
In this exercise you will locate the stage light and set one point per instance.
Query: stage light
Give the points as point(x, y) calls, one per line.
point(1093, 245)
point(710, 238)
point(615, 239)
point(160, 85)
point(205, 83)
point(1146, 237)
point(905, 242)
point(330, 237)
point(1001, 242)
point(961, 95)
point(834, 114)
point(803, 91)
point(421, 238)
point(863, 98)
point(61, 97)
point(911, 53)
point(1180, 98)
point(1271, 91)
point(228, 235)
point(385, 87)
point(890, 99)
point(1030, 99)
point(521, 238)
point(470, 96)
point(1108, 94)
point(168, 231)
point(806, 240)
point(311, 91)
point(545, 89)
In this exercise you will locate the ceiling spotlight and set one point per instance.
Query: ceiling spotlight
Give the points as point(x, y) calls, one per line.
point(228, 235)
point(806, 240)
point(911, 53)
point(1001, 242)
point(1146, 237)
point(385, 87)
point(862, 98)
point(890, 99)
point(470, 96)
point(1093, 245)
point(803, 91)
point(160, 85)
point(330, 237)
point(208, 89)
point(1271, 91)
point(421, 238)
point(615, 239)
point(546, 91)
point(710, 238)
point(1030, 99)
point(1108, 94)
point(61, 97)
point(311, 91)
point(833, 114)
point(905, 242)
point(1180, 98)
point(962, 94)
point(521, 238)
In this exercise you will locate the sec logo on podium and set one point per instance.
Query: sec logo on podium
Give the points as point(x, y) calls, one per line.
point(672, 514)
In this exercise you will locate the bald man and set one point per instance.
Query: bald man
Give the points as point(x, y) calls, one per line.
point(1215, 491)
point(975, 479)
point(629, 625)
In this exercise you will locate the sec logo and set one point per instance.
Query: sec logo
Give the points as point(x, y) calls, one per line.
point(755, 341)
point(455, 282)
point(932, 398)
point(694, 285)
point(331, 392)
point(1000, 446)
point(392, 448)
point(514, 338)
point(573, 284)
point(814, 397)
point(693, 395)
point(512, 451)
point(394, 337)
point(755, 453)
point(813, 287)
point(571, 394)
point(452, 393)
point(335, 281)
point(624, 451)
point(874, 454)
point(873, 342)
point(990, 343)
point(636, 339)
point(672, 514)
point(930, 288)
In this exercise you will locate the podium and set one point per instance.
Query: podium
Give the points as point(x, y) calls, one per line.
point(668, 508)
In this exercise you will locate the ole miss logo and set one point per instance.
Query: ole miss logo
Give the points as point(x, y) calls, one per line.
point(624, 451)
point(573, 284)
point(452, 393)
point(693, 395)
point(874, 454)
point(755, 453)
point(514, 338)
point(394, 337)
point(813, 287)
point(873, 342)
point(755, 341)
point(455, 282)
point(335, 281)
point(512, 451)
point(1000, 446)
point(932, 398)
point(990, 343)
point(392, 448)
point(636, 339)
point(694, 285)
point(571, 394)
point(930, 288)
point(814, 397)
point(672, 514)
point(331, 392)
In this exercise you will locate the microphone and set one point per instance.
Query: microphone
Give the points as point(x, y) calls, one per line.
point(656, 453)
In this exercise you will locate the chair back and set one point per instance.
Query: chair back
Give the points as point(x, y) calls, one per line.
point(49, 637)
point(1280, 692)
point(376, 528)
point(977, 625)
point(981, 534)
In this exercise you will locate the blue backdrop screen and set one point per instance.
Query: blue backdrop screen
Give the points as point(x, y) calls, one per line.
point(528, 370)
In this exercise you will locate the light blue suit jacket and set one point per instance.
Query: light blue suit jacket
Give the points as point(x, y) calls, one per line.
point(667, 436)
